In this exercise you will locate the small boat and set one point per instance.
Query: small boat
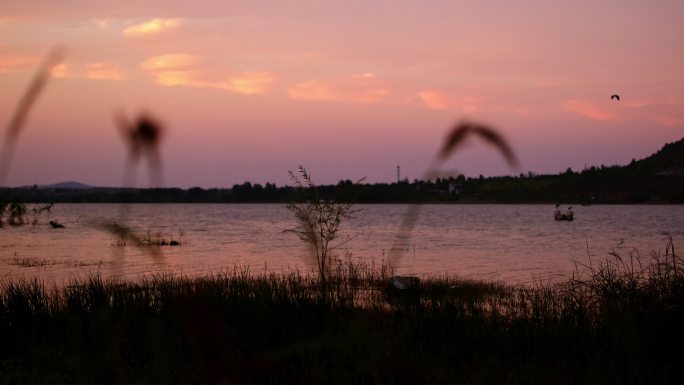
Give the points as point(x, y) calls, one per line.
point(568, 215)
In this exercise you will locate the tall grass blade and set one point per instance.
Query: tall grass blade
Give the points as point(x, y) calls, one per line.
point(28, 100)
point(463, 130)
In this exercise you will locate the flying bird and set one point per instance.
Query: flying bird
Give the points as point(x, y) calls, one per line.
point(615, 96)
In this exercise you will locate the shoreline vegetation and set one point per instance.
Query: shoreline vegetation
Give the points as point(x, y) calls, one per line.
point(655, 179)
point(615, 321)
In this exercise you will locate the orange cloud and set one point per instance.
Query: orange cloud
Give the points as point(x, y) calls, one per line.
point(153, 26)
point(92, 71)
point(249, 83)
point(443, 101)
point(358, 89)
point(12, 63)
point(103, 71)
point(176, 78)
point(586, 109)
point(184, 70)
point(174, 69)
point(63, 71)
point(174, 61)
point(312, 90)
point(95, 71)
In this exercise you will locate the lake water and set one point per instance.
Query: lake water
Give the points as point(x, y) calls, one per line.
point(514, 243)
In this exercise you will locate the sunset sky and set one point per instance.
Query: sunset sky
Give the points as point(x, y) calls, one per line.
point(352, 88)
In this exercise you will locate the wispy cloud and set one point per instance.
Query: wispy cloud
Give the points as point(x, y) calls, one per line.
point(638, 103)
point(249, 83)
point(364, 76)
point(63, 71)
point(170, 62)
point(94, 70)
point(356, 89)
point(102, 23)
point(662, 111)
point(176, 78)
point(329, 92)
point(180, 69)
point(172, 69)
point(366, 88)
point(103, 71)
point(445, 101)
point(91, 71)
point(12, 63)
point(149, 27)
point(670, 121)
point(587, 109)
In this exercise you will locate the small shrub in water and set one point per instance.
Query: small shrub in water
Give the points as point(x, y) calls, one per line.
point(318, 220)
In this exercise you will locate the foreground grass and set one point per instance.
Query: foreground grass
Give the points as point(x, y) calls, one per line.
point(614, 325)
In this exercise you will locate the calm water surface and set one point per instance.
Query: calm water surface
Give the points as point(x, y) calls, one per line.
point(514, 243)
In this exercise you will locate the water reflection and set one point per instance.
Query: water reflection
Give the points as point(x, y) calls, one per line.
point(517, 243)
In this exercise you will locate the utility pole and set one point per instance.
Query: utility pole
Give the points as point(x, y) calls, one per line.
point(398, 174)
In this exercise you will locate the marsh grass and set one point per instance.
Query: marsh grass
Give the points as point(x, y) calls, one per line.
point(157, 238)
point(611, 324)
point(44, 262)
point(617, 321)
point(16, 213)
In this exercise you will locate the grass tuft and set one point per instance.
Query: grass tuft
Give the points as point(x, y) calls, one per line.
point(617, 322)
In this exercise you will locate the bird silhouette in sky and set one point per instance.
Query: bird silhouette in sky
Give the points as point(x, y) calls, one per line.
point(615, 96)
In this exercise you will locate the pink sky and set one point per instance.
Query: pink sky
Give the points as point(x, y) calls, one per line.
point(350, 89)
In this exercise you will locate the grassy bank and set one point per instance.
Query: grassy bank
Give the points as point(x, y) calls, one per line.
point(616, 323)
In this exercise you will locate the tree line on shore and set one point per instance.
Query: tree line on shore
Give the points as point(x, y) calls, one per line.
point(655, 179)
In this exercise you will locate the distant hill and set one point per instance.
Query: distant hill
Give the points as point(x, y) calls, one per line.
point(68, 185)
point(669, 160)
point(61, 185)
point(657, 178)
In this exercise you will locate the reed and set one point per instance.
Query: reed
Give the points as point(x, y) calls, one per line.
point(613, 323)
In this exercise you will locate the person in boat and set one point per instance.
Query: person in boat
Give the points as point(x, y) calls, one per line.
point(563, 216)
